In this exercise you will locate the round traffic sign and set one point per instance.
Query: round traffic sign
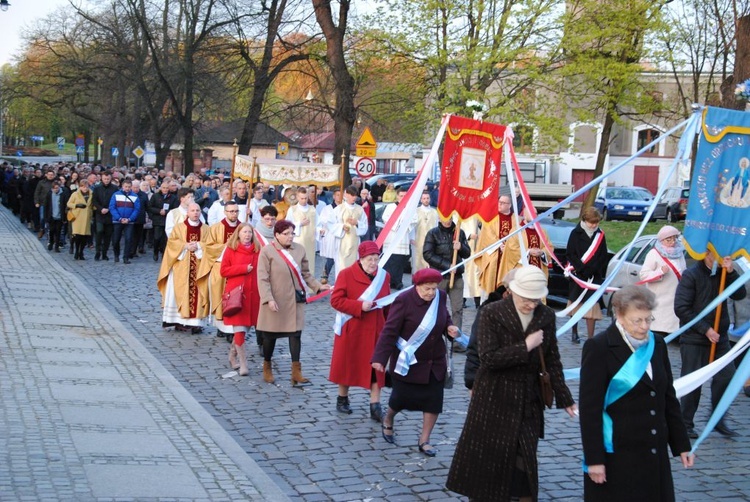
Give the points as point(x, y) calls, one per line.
point(365, 167)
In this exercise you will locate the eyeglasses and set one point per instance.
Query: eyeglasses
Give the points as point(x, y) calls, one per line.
point(530, 301)
point(639, 322)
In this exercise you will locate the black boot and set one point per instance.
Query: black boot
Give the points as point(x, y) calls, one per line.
point(574, 336)
point(342, 405)
point(376, 412)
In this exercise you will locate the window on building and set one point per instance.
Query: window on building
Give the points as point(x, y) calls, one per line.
point(645, 137)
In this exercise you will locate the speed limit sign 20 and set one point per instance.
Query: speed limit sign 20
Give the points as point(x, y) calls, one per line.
point(365, 167)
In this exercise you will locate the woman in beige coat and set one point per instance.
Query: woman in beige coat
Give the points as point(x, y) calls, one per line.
point(79, 205)
point(282, 269)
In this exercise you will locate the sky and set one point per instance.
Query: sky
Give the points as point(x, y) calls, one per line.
point(20, 14)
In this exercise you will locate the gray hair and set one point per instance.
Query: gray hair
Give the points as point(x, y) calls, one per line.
point(633, 296)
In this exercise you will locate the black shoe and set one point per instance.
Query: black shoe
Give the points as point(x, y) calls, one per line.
point(106, 258)
point(230, 337)
point(49, 247)
point(220, 334)
point(166, 325)
point(57, 249)
point(126, 261)
point(71, 250)
point(389, 438)
point(575, 338)
point(692, 434)
point(97, 257)
point(722, 429)
point(376, 412)
point(156, 256)
point(117, 259)
point(427, 449)
point(342, 405)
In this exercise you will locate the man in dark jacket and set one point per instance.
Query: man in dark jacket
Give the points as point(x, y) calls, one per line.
point(103, 193)
point(159, 205)
point(124, 207)
point(54, 213)
point(698, 287)
point(439, 244)
point(40, 196)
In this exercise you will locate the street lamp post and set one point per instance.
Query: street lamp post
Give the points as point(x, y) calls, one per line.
point(4, 5)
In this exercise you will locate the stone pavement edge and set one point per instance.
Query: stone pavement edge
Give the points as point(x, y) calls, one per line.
point(87, 412)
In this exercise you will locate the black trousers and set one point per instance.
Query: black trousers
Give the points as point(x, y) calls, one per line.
point(55, 228)
point(160, 239)
point(103, 237)
point(395, 266)
point(694, 357)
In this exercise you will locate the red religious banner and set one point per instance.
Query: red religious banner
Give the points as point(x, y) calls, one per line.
point(470, 173)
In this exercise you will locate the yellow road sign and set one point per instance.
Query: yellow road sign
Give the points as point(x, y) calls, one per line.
point(366, 144)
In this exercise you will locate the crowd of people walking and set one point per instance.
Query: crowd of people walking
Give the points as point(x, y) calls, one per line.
point(242, 259)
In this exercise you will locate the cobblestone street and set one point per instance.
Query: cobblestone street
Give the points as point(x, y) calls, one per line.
point(295, 435)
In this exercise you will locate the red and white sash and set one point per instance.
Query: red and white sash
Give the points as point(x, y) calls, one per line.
point(593, 248)
point(657, 278)
point(293, 266)
point(262, 239)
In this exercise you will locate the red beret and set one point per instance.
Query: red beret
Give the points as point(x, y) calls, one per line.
point(367, 248)
point(426, 275)
point(281, 226)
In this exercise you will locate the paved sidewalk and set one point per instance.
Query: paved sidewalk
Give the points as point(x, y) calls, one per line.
point(87, 412)
point(294, 435)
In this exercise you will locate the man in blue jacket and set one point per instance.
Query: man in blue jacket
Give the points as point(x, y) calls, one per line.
point(124, 207)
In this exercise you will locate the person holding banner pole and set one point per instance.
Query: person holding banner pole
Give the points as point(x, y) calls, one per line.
point(700, 284)
point(630, 415)
point(441, 246)
point(358, 323)
point(498, 228)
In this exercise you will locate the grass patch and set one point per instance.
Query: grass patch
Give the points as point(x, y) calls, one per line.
point(620, 233)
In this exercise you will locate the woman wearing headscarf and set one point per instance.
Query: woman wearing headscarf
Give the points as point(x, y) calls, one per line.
point(661, 272)
point(587, 258)
point(238, 266)
point(358, 323)
point(630, 416)
point(412, 339)
point(283, 273)
point(495, 456)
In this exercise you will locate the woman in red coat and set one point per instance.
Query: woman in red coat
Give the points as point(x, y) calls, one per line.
point(357, 327)
point(238, 266)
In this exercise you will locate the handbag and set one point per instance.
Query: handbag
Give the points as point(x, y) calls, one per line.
point(545, 385)
point(71, 215)
point(231, 301)
point(300, 296)
point(448, 382)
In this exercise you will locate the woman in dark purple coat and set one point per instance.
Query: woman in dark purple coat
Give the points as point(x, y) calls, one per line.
point(412, 339)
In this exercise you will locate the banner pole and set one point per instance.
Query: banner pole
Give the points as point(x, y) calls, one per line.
point(717, 319)
point(231, 173)
point(341, 175)
point(456, 238)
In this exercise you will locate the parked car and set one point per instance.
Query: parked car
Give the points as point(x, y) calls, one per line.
point(389, 178)
point(630, 271)
point(623, 203)
point(672, 205)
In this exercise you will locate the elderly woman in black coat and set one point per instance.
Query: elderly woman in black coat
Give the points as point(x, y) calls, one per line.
point(630, 416)
point(495, 457)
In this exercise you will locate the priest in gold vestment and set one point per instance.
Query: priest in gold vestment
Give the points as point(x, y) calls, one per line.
point(184, 304)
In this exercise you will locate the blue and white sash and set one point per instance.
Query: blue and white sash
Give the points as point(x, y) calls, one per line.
point(623, 382)
point(406, 357)
point(368, 295)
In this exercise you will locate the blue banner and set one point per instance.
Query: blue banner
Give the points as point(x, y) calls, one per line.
point(719, 206)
